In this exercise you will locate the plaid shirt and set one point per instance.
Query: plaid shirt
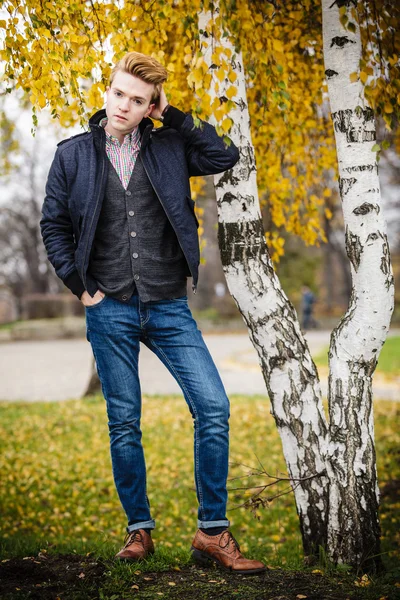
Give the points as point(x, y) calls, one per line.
point(123, 156)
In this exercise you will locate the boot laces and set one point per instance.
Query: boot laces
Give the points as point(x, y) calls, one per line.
point(132, 537)
point(229, 540)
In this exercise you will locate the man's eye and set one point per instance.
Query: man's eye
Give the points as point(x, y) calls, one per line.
point(118, 93)
point(138, 102)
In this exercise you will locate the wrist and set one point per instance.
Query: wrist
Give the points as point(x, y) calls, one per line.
point(174, 117)
point(164, 112)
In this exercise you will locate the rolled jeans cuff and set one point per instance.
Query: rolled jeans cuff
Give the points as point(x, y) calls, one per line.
point(210, 524)
point(143, 525)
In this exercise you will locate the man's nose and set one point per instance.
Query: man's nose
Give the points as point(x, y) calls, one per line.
point(124, 104)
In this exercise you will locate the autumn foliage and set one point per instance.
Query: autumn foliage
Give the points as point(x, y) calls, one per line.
point(59, 55)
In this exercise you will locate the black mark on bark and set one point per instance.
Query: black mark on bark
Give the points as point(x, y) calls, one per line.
point(227, 178)
point(366, 208)
point(385, 264)
point(353, 123)
point(330, 73)
point(228, 197)
point(346, 184)
point(373, 236)
point(341, 41)
point(346, 3)
point(240, 241)
point(361, 168)
point(354, 248)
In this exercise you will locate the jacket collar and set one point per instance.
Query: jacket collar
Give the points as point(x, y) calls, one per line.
point(98, 131)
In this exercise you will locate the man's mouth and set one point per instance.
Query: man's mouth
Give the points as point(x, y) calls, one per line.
point(120, 117)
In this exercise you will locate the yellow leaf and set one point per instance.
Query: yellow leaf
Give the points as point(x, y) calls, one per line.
point(353, 77)
point(220, 73)
point(277, 45)
point(363, 76)
point(232, 77)
point(388, 107)
point(231, 92)
point(226, 125)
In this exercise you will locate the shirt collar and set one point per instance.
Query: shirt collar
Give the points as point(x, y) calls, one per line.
point(131, 138)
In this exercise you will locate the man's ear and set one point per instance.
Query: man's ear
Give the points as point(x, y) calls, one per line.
point(149, 110)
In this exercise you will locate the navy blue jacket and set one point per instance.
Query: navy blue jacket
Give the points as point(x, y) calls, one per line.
point(77, 181)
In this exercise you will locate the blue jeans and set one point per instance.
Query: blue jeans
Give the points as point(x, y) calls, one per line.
point(166, 327)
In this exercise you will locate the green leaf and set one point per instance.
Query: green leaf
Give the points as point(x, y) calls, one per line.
point(376, 148)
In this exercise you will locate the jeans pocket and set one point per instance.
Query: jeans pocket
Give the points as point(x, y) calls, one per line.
point(102, 301)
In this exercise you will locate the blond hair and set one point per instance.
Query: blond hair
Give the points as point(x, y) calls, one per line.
point(144, 67)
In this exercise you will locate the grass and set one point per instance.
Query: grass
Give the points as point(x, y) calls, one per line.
point(388, 362)
point(57, 496)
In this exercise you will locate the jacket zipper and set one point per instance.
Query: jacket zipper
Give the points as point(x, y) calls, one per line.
point(194, 287)
point(91, 224)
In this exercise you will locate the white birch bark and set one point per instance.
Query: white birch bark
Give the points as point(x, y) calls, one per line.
point(353, 527)
point(289, 372)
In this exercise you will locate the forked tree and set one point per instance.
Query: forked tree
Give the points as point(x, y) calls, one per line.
point(331, 463)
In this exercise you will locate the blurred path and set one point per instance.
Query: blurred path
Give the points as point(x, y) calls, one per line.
point(60, 369)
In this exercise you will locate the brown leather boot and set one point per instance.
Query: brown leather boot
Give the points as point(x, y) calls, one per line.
point(224, 550)
point(138, 544)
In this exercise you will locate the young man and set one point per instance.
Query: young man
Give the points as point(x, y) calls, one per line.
point(119, 227)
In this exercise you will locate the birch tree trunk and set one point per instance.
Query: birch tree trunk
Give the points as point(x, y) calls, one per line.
point(289, 372)
point(353, 526)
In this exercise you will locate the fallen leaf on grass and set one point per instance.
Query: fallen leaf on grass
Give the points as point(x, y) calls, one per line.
point(134, 587)
point(363, 581)
point(301, 596)
point(317, 572)
point(171, 583)
point(81, 575)
point(148, 578)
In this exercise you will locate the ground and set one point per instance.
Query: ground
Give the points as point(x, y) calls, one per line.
point(74, 577)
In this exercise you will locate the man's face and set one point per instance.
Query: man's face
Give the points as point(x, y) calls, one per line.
point(128, 102)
